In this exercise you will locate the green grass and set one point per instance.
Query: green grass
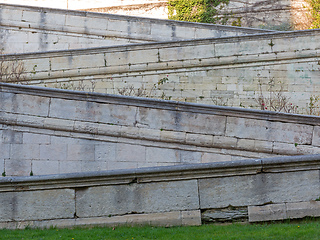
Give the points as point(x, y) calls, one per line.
point(301, 230)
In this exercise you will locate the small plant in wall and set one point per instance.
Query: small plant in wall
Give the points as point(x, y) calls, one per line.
point(275, 100)
point(11, 71)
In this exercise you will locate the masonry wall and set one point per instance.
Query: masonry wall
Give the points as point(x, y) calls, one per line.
point(251, 190)
point(233, 71)
point(48, 131)
point(32, 29)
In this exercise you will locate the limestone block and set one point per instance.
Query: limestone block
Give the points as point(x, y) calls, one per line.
point(143, 56)
point(316, 136)
point(33, 138)
point(214, 157)
point(53, 152)
point(79, 152)
point(269, 131)
point(11, 136)
point(157, 155)
point(224, 142)
point(172, 136)
point(105, 151)
point(44, 167)
point(25, 104)
point(113, 165)
point(37, 205)
point(184, 32)
point(117, 58)
point(190, 157)
point(17, 167)
point(24, 151)
point(146, 198)
point(96, 23)
point(93, 166)
point(117, 25)
point(88, 61)
point(199, 139)
point(130, 153)
point(56, 20)
point(138, 28)
point(191, 218)
point(303, 209)
point(161, 31)
point(69, 167)
point(5, 151)
point(259, 189)
point(270, 212)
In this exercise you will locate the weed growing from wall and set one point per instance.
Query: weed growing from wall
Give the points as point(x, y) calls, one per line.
point(275, 100)
point(12, 71)
point(205, 11)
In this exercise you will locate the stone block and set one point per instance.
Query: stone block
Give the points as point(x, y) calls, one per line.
point(229, 214)
point(190, 157)
point(17, 167)
point(11, 136)
point(33, 138)
point(139, 198)
point(157, 155)
point(80, 152)
point(259, 189)
point(172, 136)
point(69, 167)
point(53, 152)
point(208, 157)
point(199, 139)
point(105, 151)
point(303, 209)
point(191, 218)
point(37, 205)
point(25, 104)
point(269, 131)
point(143, 56)
point(113, 165)
point(93, 166)
point(316, 136)
point(270, 212)
point(24, 151)
point(224, 142)
point(138, 28)
point(130, 153)
point(44, 167)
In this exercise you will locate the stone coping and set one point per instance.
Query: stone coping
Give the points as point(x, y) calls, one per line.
point(139, 19)
point(159, 104)
point(161, 174)
point(164, 44)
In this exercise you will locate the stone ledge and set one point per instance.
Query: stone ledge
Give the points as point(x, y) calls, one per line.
point(282, 211)
point(158, 174)
point(175, 218)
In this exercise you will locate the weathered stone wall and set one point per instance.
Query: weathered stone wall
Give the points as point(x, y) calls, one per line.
point(32, 29)
point(261, 190)
point(232, 71)
point(48, 131)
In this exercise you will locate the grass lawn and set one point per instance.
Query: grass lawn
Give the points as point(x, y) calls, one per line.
point(298, 230)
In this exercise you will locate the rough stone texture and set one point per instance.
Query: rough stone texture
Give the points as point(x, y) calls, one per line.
point(230, 214)
point(37, 205)
point(137, 198)
point(295, 210)
point(303, 209)
point(258, 189)
point(267, 213)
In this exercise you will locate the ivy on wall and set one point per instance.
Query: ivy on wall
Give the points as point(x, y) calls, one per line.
point(315, 13)
point(205, 11)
